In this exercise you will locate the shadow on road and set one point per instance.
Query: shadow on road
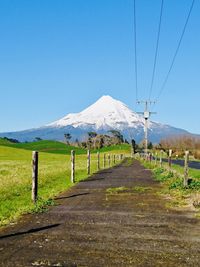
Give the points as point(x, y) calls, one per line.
point(31, 231)
point(75, 195)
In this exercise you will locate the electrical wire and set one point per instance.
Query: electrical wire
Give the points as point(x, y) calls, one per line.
point(135, 46)
point(176, 52)
point(156, 51)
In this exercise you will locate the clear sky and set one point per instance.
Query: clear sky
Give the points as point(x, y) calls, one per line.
point(59, 56)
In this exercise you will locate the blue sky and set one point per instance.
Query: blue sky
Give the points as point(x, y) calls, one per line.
point(59, 56)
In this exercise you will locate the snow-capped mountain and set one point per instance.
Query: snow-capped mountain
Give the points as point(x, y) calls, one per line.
point(105, 114)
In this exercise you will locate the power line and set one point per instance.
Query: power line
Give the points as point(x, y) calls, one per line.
point(135, 44)
point(156, 52)
point(176, 51)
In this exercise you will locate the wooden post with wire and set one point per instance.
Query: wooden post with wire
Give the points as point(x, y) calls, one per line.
point(161, 152)
point(72, 166)
point(98, 161)
point(156, 157)
point(186, 169)
point(109, 160)
point(34, 176)
point(88, 162)
point(170, 159)
point(104, 160)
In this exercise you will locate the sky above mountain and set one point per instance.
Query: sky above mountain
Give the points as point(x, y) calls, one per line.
point(59, 57)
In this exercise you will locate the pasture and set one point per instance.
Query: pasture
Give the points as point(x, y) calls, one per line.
point(54, 175)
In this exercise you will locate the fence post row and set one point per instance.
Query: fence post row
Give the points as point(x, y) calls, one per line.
point(186, 169)
point(88, 162)
point(72, 166)
point(35, 168)
point(34, 176)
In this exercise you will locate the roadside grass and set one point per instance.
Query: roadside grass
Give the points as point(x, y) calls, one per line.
point(54, 178)
point(173, 189)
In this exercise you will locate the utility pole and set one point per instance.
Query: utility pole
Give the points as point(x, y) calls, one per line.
point(146, 115)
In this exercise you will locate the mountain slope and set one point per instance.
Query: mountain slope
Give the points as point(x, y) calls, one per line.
point(104, 115)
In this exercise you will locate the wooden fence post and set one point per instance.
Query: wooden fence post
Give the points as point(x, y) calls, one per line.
point(186, 169)
point(170, 158)
point(161, 158)
point(109, 160)
point(156, 155)
point(88, 162)
point(132, 152)
point(72, 166)
point(34, 176)
point(114, 158)
point(104, 161)
point(150, 157)
point(98, 161)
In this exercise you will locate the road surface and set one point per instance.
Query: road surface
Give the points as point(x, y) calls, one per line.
point(115, 218)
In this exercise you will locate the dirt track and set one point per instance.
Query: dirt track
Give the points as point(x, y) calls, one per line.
point(93, 227)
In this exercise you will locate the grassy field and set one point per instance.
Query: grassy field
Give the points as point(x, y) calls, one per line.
point(56, 147)
point(54, 176)
point(44, 146)
point(173, 185)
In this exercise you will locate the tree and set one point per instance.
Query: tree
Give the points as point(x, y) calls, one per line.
point(38, 139)
point(133, 145)
point(118, 137)
point(150, 145)
point(12, 140)
point(67, 137)
point(92, 134)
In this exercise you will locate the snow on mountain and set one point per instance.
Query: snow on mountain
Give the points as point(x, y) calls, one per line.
point(104, 113)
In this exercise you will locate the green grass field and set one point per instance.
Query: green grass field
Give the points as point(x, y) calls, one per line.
point(54, 175)
point(56, 147)
point(44, 146)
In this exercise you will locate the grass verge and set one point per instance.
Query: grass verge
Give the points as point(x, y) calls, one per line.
point(173, 189)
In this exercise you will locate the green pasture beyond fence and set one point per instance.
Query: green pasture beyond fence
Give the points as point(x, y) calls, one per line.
point(54, 176)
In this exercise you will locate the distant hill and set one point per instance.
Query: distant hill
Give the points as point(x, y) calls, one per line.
point(104, 115)
point(45, 146)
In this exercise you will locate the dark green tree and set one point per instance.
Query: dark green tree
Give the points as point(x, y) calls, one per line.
point(118, 136)
point(67, 137)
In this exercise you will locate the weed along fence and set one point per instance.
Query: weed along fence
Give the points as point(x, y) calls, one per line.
point(93, 162)
point(167, 164)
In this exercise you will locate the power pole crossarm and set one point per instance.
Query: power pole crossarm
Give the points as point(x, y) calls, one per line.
point(146, 115)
